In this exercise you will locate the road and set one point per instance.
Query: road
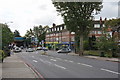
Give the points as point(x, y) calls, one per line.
point(55, 65)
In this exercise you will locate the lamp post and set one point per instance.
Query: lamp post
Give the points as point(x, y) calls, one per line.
point(8, 22)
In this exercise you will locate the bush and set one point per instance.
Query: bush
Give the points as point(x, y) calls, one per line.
point(2, 55)
point(91, 52)
point(86, 45)
point(108, 46)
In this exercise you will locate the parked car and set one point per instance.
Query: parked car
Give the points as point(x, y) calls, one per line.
point(44, 48)
point(17, 49)
point(29, 50)
point(64, 50)
point(39, 48)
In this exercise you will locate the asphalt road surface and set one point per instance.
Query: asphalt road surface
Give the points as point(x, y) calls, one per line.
point(60, 65)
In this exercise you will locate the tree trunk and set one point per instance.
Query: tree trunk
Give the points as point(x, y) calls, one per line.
point(77, 46)
point(81, 45)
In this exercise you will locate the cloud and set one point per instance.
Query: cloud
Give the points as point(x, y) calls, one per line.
point(109, 10)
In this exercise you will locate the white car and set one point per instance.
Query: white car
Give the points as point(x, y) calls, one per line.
point(39, 48)
point(44, 48)
point(64, 50)
point(17, 49)
point(29, 50)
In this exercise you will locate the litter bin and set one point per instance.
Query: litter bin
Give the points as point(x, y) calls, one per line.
point(102, 54)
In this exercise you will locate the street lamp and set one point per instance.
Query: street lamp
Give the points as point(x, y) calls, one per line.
point(8, 22)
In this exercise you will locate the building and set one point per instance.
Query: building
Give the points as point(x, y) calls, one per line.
point(58, 36)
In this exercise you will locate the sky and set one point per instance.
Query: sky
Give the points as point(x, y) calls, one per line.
point(22, 15)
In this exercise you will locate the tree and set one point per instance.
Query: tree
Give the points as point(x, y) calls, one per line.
point(16, 33)
point(113, 22)
point(38, 31)
point(7, 35)
point(107, 45)
point(78, 18)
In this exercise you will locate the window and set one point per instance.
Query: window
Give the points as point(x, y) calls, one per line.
point(99, 32)
point(65, 27)
point(60, 28)
point(96, 25)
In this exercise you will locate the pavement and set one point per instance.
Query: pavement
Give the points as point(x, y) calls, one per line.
point(14, 67)
point(97, 57)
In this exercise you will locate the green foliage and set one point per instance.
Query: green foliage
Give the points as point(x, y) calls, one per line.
point(86, 45)
point(78, 16)
point(2, 54)
point(37, 31)
point(16, 33)
point(7, 35)
point(92, 52)
point(113, 22)
point(107, 44)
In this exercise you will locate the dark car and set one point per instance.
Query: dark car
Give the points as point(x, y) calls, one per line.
point(64, 50)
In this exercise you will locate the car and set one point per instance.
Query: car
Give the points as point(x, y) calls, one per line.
point(39, 48)
point(21, 47)
point(44, 48)
point(17, 49)
point(29, 50)
point(64, 50)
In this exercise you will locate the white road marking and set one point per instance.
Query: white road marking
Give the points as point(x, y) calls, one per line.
point(59, 66)
point(46, 62)
point(59, 58)
point(35, 61)
point(71, 61)
point(65, 60)
point(33, 56)
point(110, 71)
point(52, 57)
point(53, 60)
point(86, 65)
point(46, 56)
point(78, 63)
point(41, 60)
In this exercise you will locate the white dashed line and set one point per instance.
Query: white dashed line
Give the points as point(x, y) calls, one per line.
point(59, 58)
point(71, 61)
point(53, 60)
point(52, 57)
point(59, 66)
point(110, 71)
point(35, 61)
point(78, 63)
point(33, 56)
point(46, 56)
point(86, 65)
point(41, 60)
point(66, 60)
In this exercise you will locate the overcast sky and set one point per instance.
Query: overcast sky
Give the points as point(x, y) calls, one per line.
point(28, 13)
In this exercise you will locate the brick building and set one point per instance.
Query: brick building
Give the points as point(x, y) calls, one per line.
point(58, 36)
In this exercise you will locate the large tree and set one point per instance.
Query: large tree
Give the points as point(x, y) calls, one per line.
point(38, 32)
point(78, 18)
point(16, 33)
point(7, 35)
point(113, 22)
